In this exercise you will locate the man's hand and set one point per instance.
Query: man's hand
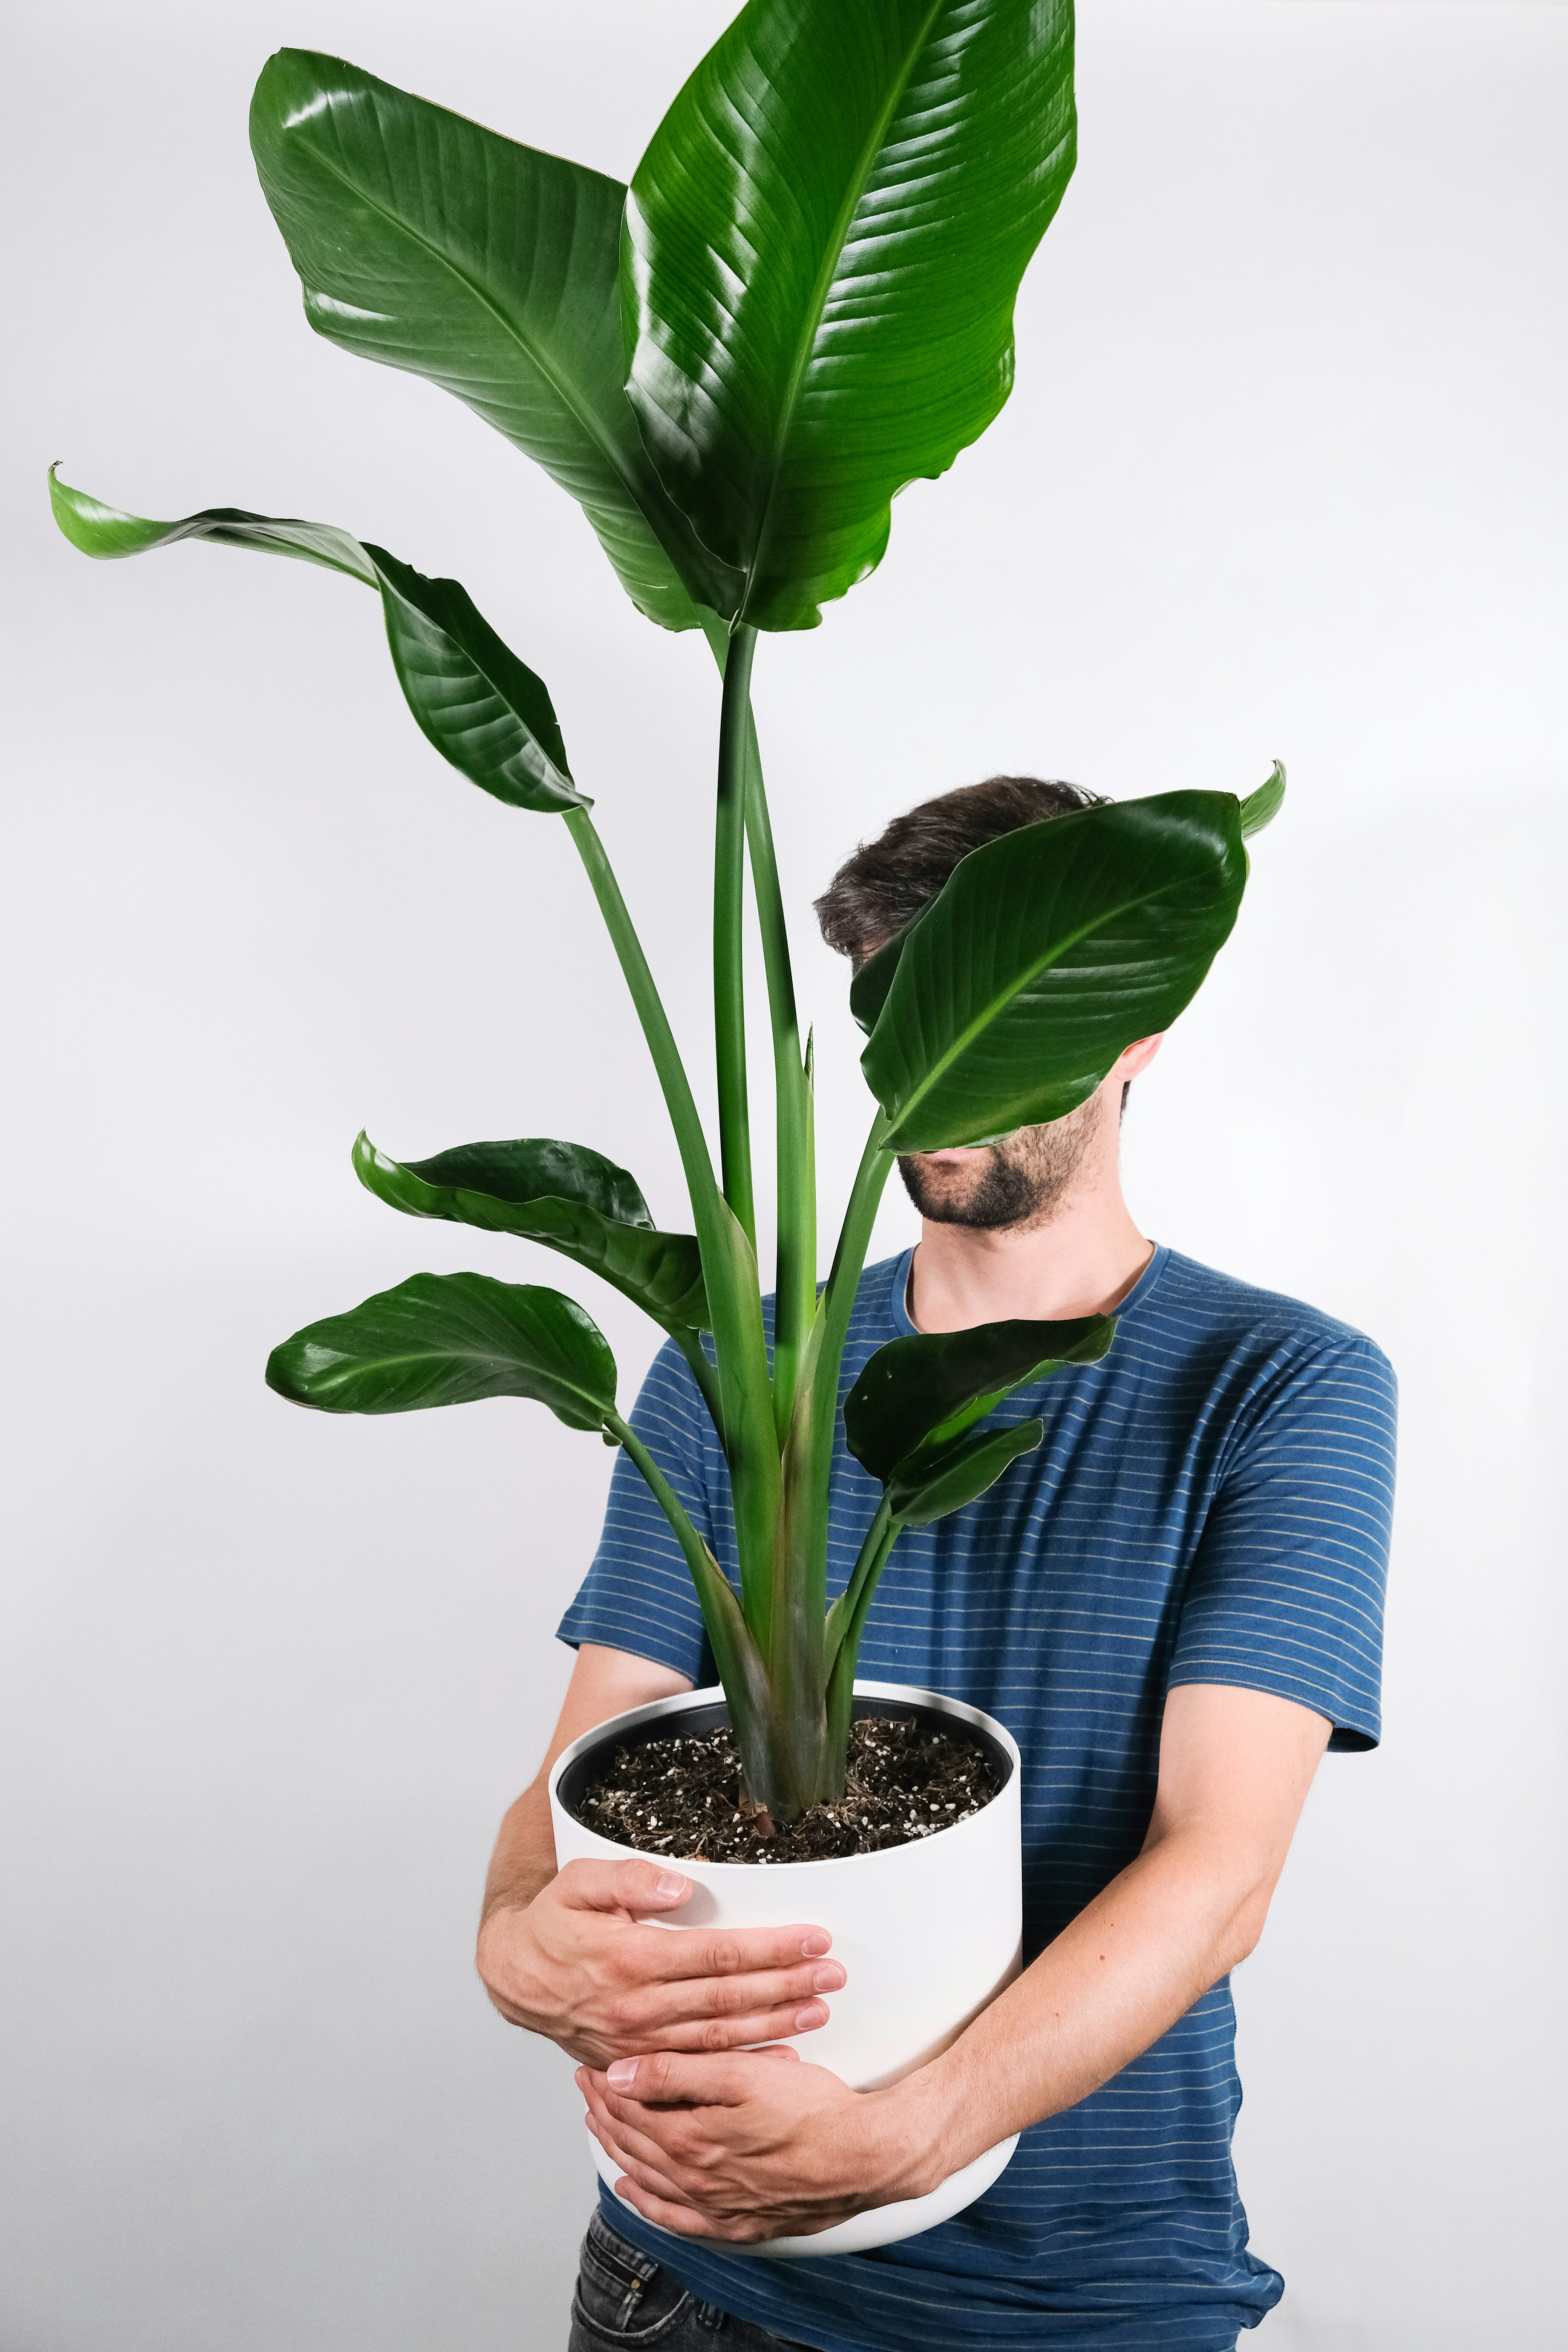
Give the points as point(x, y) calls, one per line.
point(754, 2145)
point(564, 1954)
point(745, 2147)
point(575, 1965)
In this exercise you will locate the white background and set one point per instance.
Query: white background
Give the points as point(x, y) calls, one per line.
point(1284, 473)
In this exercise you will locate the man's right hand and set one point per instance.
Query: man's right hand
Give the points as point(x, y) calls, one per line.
point(576, 1965)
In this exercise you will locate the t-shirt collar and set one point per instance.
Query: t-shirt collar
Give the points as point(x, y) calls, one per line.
point(899, 1288)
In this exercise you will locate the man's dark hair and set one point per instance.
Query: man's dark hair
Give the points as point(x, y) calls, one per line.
point(889, 881)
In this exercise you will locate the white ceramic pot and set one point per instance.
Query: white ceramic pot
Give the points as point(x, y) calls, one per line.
point(929, 1933)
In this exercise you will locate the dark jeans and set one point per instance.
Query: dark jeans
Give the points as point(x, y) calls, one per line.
point(623, 2297)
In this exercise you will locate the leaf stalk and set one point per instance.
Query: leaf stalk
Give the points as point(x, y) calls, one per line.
point(729, 911)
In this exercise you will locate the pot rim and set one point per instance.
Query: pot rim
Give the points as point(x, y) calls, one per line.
point(908, 1693)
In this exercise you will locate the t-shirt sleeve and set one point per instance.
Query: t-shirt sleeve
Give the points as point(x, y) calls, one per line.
point(639, 1595)
point(1287, 1589)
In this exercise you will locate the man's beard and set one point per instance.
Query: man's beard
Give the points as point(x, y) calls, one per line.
point(1022, 1182)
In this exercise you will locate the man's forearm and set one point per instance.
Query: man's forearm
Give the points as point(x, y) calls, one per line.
point(524, 1856)
point(1169, 1926)
point(603, 1682)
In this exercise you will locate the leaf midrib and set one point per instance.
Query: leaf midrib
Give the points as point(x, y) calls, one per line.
point(510, 326)
point(826, 274)
point(449, 637)
point(412, 1357)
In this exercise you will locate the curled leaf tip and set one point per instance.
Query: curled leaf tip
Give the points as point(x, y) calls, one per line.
point(1261, 807)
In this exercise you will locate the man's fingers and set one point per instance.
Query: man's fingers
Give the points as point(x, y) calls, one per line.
point(718, 2035)
point(647, 2018)
point(648, 2138)
point(684, 2221)
point(667, 2078)
point(651, 2164)
point(637, 1887)
point(692, 1952)
point(620, 2149)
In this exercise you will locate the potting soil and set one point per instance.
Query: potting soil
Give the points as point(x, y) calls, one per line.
point(681, 1797)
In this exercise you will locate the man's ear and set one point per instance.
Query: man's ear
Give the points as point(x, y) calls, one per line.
point(1135, 1059)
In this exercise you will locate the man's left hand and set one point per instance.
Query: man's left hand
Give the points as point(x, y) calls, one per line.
point(753, 2143)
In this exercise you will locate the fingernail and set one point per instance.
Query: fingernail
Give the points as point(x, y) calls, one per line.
point(814, 2013)
point(622, 2074)
point(816, 1944)
point(669, 1882)
point(830, 1979)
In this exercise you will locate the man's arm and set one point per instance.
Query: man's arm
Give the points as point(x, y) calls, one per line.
point(604, 1683)
point(562, 1952)
point(712, 2143)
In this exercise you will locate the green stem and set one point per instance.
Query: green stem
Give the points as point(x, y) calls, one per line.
point(873, 1552)
point(736, 1656)
point(841, 1681)
point(729, 907)
point(678, 1101)
point(795, 1293)
point(689, 1343)
point(837, 1302)
point(793, 1642)
point(729, 1260)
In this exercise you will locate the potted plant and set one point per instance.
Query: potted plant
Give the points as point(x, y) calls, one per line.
point(803, 303)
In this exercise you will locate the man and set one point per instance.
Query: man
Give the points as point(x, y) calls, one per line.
point(1175, 1605)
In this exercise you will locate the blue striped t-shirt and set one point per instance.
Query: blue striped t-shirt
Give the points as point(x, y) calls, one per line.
point(1210, 1505)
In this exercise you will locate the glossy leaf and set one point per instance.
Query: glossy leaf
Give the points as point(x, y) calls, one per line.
point(1261, 807)
point(917, 1396)
point(562, 1194)
point(1046, 955)
point(102, 530)
point(958, 1473)
point(430, 244)
point(868, 989)
point(823, 247)
point(483, 710)
point(448, 1338)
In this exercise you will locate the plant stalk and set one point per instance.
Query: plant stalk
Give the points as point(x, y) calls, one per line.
point(793, 1647)
point(841, 1680)
point(837, 1304)
point(736, 1656)
point(691, 1346)
point(729, 908)
point(678, 1101)
point(873, 1550)
point(729, 1259)
point(794, 1289)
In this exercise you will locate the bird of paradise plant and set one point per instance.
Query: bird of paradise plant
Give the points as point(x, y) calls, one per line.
point(803, 301)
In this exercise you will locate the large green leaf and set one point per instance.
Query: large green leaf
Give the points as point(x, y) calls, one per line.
point(824, 244)
point(483, 710)
point(562, 1194)
point(868, 989)
point(958, 1474)
point(430, 244)
point(448, 1338)
point(916, 1396)
point(102, 530)
point(1046, 955)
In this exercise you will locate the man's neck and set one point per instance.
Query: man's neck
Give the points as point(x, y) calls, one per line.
point(1083, 1261)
